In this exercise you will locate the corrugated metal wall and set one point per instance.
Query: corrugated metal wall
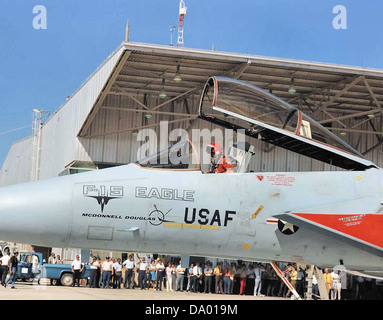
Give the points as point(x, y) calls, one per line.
point(16, 167)
point(59, 144)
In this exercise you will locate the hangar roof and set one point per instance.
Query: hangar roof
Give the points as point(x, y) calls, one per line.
point(329, 93)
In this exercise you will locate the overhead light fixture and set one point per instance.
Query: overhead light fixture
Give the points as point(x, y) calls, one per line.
point(135, 133)
point(371, 116)
point(343, 133)
point(292, 87)
point(163, 94)
point(148, 115)
point(177, 76)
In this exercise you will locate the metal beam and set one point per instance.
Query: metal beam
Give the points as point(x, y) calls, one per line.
point(147, 111)
point(372, 93)
point(131, 97)
point(339, 94)
point(136, 128)
point(373, 148)
point(334, 119)
point(356, 131)
point(242, 69)
point(237, 73)
point(175, 98)
point(349, 116)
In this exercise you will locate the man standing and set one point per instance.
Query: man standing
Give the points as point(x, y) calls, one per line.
point(218, 278)
point(197, 273)
point(190, 277)
point(293, 279)
point(107, 271)
point(180, 277)
point(227, 274)
point(142, 273)
point(52, 259)
point(208, 271)
point(77, 268)
point(258, 272)
point(13, 262)
point(129, 265)
point(94, 267)
point(160, 274)
point(117, 269)
point(328, 280)
point(4, 267)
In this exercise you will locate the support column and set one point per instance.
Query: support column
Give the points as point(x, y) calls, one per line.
point(321, 284)
point(185, 261)
point(85, 255)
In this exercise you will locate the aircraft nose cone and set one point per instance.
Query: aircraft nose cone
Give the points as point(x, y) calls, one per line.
point(35, 213)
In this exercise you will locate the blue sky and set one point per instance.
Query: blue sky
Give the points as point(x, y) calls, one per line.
point(39, 68)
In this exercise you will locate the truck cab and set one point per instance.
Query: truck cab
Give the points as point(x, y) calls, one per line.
point(30, 265)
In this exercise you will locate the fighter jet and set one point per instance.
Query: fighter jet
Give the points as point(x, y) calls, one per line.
point(186, 208)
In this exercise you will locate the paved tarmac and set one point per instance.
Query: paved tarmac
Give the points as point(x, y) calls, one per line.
point(29, 291)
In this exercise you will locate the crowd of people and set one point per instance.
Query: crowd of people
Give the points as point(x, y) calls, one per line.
point(147, 273)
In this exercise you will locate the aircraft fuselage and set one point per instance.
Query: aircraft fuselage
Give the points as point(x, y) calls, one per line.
point(130, 208)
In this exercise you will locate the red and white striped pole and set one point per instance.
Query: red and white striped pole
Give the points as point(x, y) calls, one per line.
point(287, 282)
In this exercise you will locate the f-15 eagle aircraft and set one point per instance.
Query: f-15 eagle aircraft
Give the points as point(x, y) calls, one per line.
point(317, 218)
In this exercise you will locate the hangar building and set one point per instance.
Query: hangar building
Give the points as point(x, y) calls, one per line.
point(97, 125)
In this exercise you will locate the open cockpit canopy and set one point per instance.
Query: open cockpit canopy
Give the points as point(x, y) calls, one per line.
point(239, 105)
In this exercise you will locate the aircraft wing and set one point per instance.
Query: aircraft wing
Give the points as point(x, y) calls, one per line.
point(239, 105)
point(361, 230)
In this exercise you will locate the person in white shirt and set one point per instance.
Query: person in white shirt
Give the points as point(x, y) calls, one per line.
point(148, 258)
point(142, 273)
point(129, 265)
point(180, 277)
point(107, 272)
point(4, 267)
point(94, 268)
point(197, 273)
point(160, 274)
point(117, 266)
point(77, 268)
point(169, 277)
point(52, 259)
point(258, 272)
point(336, 285)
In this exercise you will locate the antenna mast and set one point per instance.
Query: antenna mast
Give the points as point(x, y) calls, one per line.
point(171, 29)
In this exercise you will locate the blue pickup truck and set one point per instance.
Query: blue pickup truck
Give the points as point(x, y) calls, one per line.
point(31, 267)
